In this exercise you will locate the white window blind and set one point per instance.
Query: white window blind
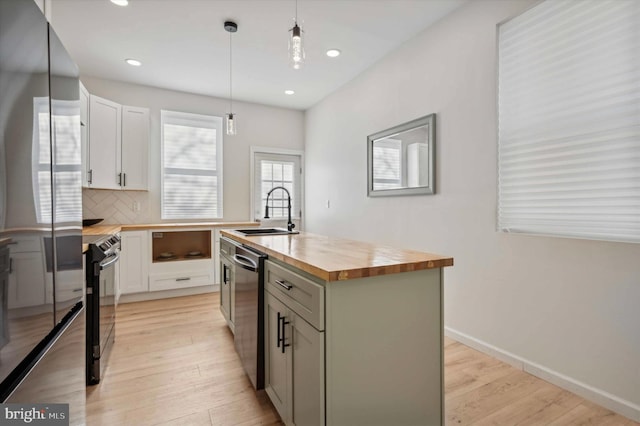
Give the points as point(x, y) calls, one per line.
point(387, 164)
point(67, 172)
point(569, 120)
point(191, 166)
point(272, 170)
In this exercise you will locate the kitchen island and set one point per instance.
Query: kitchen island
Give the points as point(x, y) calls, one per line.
point(353, 331)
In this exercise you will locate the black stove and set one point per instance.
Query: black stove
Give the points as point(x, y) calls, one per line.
point(102, 300)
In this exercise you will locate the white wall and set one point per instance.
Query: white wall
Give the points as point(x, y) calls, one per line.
point(571, 306)
point(258, 125)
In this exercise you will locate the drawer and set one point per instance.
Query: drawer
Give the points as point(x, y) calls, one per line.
point(300, 294)
point(180, 280)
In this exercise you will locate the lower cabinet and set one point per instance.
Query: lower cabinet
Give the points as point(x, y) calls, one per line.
point(294, 361)
point(332, 352)
point(134, 262)
point(26, 280)
point(144, 269)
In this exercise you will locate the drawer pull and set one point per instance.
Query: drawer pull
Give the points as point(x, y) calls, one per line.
point(283, 284)
point(183, 279)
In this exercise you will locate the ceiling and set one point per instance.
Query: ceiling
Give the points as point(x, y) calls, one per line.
point(183, 45)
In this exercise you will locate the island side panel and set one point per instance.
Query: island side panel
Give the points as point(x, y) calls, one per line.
point(384, 354)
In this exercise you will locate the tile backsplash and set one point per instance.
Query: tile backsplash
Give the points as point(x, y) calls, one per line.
point(116, 207)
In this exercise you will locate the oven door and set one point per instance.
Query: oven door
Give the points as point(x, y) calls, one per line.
point(101, 314)
point(107, 311)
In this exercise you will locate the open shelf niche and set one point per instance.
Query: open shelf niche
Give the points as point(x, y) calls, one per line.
point(180, 245)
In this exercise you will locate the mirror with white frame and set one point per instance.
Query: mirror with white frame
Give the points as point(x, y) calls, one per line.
point(401, 159)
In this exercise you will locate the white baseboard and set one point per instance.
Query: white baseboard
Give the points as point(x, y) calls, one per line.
point(598, 396)
point(155, 295)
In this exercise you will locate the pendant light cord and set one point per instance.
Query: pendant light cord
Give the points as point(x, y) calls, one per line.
point(230, 77)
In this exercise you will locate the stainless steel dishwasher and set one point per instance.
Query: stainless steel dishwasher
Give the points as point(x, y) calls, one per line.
point(249, 312)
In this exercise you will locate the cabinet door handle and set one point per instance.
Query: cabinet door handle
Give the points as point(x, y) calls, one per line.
point(283, 284)
point(279, 318)
point(124, 179)
point(183, 279)
point(120, 179)
point(90, 176)
point(284, 338)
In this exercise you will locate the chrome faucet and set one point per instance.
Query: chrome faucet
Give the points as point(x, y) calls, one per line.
point(290, 224)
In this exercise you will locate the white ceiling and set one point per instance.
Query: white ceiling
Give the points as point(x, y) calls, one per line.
point(183, 45)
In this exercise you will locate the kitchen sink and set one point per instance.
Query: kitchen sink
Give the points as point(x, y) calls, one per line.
point(266, 231)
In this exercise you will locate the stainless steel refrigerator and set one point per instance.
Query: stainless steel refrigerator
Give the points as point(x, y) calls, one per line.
point(42, 329)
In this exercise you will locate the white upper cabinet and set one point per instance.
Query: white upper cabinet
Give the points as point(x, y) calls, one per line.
point(105, 137)
point(84, 133)
point(135, 147)
point(118, 146)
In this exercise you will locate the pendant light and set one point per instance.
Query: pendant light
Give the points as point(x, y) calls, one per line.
point(296, 45)
point(230, 27)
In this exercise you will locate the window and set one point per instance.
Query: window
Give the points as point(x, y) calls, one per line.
point(569, 120)
point(191, 166)
point(387, 164)
point(67, 172)
point(272, 168)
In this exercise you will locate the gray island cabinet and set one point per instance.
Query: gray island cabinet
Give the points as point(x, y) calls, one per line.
point(353, 331)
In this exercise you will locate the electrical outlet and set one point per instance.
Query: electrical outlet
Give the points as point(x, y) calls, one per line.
point(136, 206)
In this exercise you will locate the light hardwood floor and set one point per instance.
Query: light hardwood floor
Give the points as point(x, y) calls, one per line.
point(174, 363)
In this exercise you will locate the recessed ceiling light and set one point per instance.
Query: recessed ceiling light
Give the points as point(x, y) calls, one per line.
point(133, 62)
point(120, 2)
point(289, 92)
point(333, 53)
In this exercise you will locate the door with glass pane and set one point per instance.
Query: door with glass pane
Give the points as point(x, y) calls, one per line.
point(272, 170)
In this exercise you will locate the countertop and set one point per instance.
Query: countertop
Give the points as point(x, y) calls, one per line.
point(337, 259)
point(112, 229)
point(145, 226)
point(101, 230)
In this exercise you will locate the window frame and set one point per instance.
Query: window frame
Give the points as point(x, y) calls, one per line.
point(181, 117)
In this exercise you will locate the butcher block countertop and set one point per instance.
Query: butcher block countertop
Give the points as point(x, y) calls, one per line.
point(169, 226)
point(101, 230)
point(338, 259)
point(113, 229)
